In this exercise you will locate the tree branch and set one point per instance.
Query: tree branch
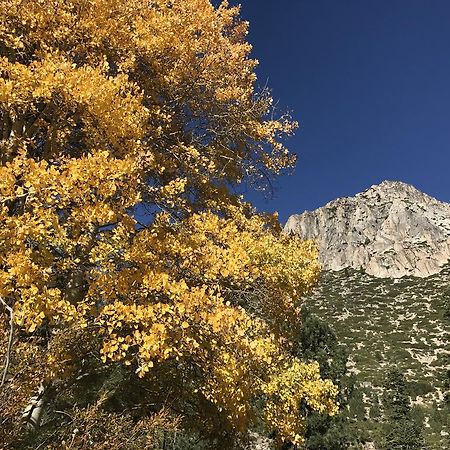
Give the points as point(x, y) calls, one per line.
point(7, 199)
point(10, 340)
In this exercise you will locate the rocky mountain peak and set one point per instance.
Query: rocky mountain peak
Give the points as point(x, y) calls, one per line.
point(394, 190)
point(391, 187)
point(390, 230)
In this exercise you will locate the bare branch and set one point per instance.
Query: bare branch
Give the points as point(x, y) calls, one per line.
point(7, 199)
point(10, 341)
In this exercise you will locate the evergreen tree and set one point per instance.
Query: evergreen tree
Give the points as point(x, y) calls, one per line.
point(401, 432)
point(318, 342)
point(446, 303)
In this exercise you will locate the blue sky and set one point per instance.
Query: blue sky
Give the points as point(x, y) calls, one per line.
point(369, 82)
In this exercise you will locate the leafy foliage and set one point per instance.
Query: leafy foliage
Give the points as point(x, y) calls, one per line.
point(125, 127)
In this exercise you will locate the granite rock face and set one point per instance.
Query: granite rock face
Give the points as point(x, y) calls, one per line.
point(390, 230)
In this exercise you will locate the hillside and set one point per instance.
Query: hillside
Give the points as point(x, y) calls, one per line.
point(388, 323)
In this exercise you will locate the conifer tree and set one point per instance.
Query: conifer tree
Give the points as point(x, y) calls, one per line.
point(317, 341)
point(401, 431)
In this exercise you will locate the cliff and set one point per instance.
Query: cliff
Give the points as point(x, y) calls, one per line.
point(390, 230)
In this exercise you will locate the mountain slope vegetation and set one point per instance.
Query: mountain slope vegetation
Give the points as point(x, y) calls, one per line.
point(391, 324)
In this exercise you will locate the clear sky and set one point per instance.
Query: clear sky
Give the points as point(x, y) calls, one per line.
point(369, 82)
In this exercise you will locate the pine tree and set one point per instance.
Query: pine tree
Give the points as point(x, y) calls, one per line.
point(317, 341)
point(401, 432)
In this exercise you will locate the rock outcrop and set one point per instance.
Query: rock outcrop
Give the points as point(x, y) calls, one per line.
point(390, 230)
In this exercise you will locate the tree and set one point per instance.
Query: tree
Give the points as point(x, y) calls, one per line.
point(446, 303)
point(401, 431)
point(318, 342)
point(125, 128)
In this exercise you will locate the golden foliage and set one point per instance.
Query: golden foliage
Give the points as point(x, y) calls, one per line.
point(123, 127)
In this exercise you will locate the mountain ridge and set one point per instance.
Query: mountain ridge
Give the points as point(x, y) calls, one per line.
point(390, 230)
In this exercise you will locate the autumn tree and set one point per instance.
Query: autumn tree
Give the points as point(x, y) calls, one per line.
point(125, 252)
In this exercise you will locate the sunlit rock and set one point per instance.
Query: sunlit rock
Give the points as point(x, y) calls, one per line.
point(390, 230)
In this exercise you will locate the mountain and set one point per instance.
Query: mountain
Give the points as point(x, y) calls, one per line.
point(390, 230)
point(385, 291)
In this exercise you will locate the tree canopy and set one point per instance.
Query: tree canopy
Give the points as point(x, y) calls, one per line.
point(125, 128)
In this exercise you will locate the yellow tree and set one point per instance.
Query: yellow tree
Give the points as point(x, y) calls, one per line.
point(124, 128)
